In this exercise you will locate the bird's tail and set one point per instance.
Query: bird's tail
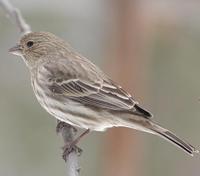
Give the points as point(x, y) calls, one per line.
point(151, 127)
point(168, 135)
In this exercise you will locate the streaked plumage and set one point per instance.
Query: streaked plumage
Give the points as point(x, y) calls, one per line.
point(74, 90)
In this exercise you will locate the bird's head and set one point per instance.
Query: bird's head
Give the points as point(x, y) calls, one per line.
point(36, 46)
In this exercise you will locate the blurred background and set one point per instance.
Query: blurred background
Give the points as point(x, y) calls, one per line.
point(152, 48)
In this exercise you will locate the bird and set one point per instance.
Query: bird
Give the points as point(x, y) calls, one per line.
point(77, 92)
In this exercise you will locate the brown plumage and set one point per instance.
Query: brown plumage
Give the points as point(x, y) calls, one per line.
point(75, 91)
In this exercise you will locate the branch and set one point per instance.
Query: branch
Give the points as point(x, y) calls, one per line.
point(15, 16)
point(68, 132)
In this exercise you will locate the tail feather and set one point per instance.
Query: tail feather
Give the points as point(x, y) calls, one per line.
point(151, 127)
point(185, 146)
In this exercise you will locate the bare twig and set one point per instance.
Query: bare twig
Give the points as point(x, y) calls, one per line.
point(67, 131)
point(15, 16)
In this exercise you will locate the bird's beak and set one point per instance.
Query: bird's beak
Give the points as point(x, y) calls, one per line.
point(16, 50)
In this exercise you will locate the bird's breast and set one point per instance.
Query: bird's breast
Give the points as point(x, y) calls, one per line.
point(69, 111)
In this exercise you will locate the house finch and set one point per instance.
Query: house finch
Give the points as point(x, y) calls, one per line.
point(75, 91)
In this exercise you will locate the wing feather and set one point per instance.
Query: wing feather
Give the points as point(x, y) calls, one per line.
point(99, 92)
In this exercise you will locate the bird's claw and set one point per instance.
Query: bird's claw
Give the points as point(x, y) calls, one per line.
point(69, 148)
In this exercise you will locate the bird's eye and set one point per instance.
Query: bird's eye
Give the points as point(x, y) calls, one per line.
point(29, 44)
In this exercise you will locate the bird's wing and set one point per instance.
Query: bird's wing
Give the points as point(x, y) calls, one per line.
point(98, 93)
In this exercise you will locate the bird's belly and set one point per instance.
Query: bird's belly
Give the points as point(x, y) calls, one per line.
point(74, 113)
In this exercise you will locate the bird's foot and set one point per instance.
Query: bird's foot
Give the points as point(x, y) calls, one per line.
point(69, 148)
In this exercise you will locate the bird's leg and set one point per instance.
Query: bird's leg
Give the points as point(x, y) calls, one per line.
point(68, 132)
point(69, 147)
